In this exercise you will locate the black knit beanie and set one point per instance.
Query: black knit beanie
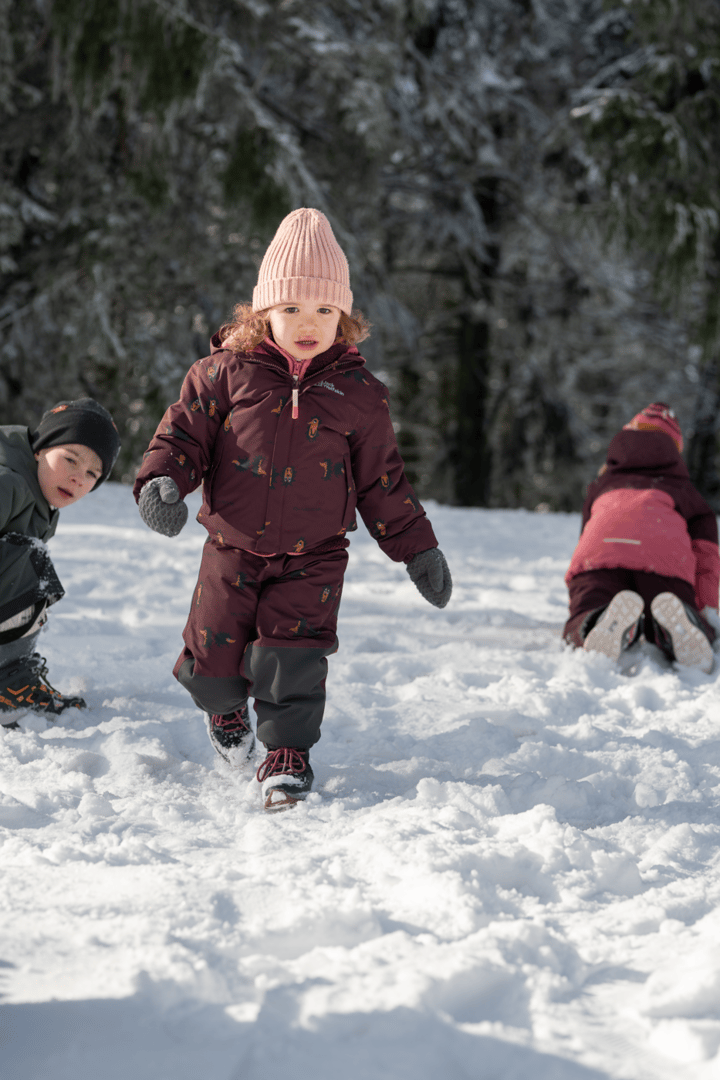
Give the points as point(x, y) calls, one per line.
point(84, 422)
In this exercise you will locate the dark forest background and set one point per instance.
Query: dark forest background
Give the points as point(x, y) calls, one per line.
point(528, 192)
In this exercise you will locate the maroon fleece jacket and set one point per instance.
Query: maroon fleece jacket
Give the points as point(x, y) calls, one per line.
point(273, 483)
point(644, 513)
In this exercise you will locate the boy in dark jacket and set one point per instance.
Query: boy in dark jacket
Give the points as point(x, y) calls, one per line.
point(289, 434)
point(72, 451)
point(647, 559)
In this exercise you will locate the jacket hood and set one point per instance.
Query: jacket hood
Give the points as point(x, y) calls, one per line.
point(16, 456)
point(640, 451)
point(16, 453)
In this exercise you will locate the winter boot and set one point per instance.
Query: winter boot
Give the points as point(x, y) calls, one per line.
point(232, 736)
point(24, 685)
point(286, 777)
point(680, 633)
point(618, 626)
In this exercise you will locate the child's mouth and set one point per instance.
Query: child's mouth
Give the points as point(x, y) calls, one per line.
point(306, 343)
point(65, 494)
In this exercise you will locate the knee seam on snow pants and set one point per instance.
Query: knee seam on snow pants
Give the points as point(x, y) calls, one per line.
point(288, 685)
point(213, 694)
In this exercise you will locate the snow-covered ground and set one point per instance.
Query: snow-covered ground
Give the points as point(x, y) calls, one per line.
point(510, 867)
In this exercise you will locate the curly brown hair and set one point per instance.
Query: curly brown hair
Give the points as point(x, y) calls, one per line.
point(248, 328)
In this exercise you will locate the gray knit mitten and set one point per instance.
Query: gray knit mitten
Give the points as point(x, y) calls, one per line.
point(431, 575)
point(161, 507)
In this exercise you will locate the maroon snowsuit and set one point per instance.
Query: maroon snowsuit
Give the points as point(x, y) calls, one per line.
point(645, 527)
point(281, 486)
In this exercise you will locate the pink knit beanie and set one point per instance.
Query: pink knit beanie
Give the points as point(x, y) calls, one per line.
point(304, 262)
point(657, 417)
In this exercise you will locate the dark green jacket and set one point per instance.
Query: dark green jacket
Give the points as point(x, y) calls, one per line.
point(25, 514)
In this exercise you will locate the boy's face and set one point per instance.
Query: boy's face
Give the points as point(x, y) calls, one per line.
point(66, 473)
point(304, 328)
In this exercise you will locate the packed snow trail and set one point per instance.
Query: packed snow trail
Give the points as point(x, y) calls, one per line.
point(509, 868)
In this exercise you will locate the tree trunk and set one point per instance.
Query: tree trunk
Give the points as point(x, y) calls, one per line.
point(703, 449)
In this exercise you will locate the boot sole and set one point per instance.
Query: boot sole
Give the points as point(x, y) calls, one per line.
point(691, 647)
point(286, 803)
point(606, 636)
point(282, 795)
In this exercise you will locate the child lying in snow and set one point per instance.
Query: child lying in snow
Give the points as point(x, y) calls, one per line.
point(647, 560)
point(70, 454)
point(289, 434)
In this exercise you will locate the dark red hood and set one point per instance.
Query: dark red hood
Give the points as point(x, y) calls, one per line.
point(645, 451)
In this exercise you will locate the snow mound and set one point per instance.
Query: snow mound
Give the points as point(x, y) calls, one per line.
point(509, 866)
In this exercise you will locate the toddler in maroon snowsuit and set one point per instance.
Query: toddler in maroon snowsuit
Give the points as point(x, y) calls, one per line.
point(647, 559)
point(289, 435)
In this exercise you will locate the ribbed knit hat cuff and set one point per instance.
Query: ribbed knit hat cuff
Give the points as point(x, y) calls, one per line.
point(303, 262)
point(290, 290)
point(657, 417)
point(83, 422)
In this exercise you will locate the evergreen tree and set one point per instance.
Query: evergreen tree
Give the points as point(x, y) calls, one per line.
point(651, 123)
point(150, 148)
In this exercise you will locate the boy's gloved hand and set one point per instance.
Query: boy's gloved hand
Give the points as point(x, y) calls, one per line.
point(431, 575)
point(161, 507)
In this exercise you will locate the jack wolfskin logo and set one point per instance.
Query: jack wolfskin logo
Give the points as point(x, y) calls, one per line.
point(329, 386)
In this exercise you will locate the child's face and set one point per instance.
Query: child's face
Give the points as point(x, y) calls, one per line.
point(304, 328)
point(66, 473)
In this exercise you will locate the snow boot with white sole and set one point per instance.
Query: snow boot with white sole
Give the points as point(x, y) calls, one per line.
point(618, 626)
point(286, 777)
point(688, 642)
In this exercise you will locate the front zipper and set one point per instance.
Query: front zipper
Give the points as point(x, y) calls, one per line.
point(295, 398)
point(295, 392)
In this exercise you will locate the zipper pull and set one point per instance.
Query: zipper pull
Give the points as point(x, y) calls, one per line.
point(295, 399)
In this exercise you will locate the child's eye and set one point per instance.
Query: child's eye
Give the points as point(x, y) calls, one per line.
point(290, 310)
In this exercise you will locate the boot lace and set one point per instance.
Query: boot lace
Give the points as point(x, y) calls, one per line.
point(285, 760)
point(237, 721)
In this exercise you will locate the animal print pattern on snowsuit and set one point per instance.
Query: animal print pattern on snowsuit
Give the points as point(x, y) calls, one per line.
point(275, 483)
point(258, 625)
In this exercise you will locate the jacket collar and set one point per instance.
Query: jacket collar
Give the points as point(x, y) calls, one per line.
point(267, 352)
